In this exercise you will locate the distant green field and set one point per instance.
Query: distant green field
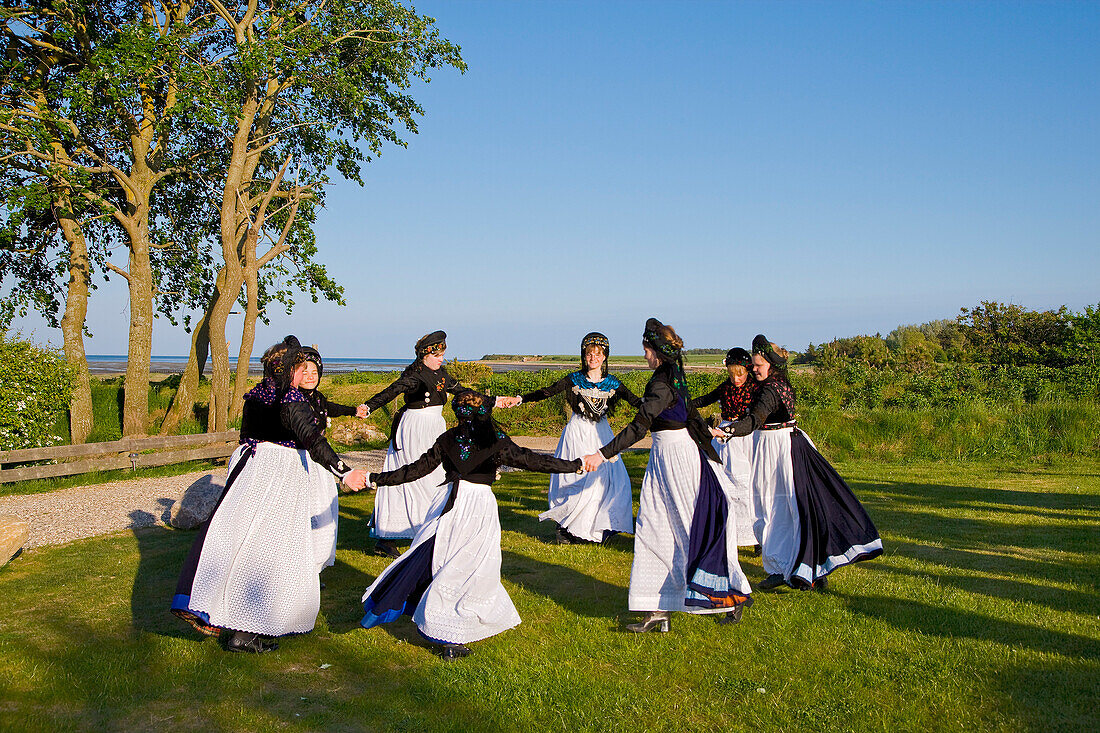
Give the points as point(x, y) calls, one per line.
point(981, 615)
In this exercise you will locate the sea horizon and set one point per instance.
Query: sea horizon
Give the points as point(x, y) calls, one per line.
point(171, 364)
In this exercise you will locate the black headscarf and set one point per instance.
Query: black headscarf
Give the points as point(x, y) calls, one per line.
point(738, 356)
point(667, 351)
point(294, 358)
point(761, 345)
point(595, 339)
point(431, 342)
point(477, 435)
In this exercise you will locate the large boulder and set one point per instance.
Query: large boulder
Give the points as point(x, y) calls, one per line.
point(197, 503)
point(355, 432)
point(14, 533)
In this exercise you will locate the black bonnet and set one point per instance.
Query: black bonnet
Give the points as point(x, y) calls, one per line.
point(431, 342)
point(761, 345)
point(595, 338)
point(738, 356)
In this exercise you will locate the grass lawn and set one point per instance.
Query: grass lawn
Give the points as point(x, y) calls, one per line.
point(983, 614)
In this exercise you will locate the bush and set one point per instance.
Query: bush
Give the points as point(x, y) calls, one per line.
point(468, 373)
point(35, 390)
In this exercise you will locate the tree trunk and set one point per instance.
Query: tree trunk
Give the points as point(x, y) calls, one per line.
point(225, 296)
point(135, 409)
point(72, 328)
point(183, 402)
point(248, 336)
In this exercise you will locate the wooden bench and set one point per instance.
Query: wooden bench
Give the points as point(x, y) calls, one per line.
point(68, 460)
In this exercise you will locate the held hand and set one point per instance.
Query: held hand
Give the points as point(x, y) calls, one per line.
point(593, 461)
point(356, 480)
point(716, 433)
point(362, 411)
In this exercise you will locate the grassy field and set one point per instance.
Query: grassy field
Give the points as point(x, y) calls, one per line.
point(983, 614)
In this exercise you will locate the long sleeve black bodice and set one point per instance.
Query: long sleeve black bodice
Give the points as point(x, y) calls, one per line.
point(590, 400)
point(735, 400)
point(421, 386)
point(260, 417)
point(663, 408)
point(480, 468)
point(773, 404)
point(306, 417)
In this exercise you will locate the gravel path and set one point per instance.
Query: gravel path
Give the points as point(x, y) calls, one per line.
point(61, 516)
point(57, 517)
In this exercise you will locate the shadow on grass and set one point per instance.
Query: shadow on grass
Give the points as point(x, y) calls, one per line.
point(161, 553)
point(114, 681)
point(1011, 590)
point(952, 623)
point(981, 498)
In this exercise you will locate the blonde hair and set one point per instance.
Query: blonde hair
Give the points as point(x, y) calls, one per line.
point(780, 350)
point(737, 370)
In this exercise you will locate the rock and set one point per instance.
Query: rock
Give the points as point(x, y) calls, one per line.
point(14, 533)
point(197, 503)
point(354, 432)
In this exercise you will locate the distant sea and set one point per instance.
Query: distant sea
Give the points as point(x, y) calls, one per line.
point(116, 363)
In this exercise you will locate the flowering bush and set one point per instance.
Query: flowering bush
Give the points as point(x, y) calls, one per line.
point(35, 390)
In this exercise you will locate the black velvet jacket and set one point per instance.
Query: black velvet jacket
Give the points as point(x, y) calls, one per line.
point(421, 386)
point(661, 410)
point(305, 415)
point(774, 403)
point(478, 465)
point(589, 403)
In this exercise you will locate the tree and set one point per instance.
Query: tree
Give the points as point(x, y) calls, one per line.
point(320, 84)
point(1013, 335)
point(97, 103)
point(145, 111)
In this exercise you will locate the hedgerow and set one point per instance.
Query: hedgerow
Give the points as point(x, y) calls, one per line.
point(35, 389)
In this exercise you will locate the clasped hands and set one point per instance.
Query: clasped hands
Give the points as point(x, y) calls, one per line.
point(593, 461)
point(356, 480)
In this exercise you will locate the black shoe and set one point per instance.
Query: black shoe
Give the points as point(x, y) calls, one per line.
point(756, 550)
point(608, 535)
point(454, 651)
point(731, 617)
point(660, 621)
point(564, 537)
point(242, 641)
point(821, 584)
point(385, 548)
point(775, 580)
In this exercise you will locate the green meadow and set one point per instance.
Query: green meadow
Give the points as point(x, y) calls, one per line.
point(983, 614)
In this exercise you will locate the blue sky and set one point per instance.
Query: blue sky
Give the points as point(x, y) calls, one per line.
point(806, 170)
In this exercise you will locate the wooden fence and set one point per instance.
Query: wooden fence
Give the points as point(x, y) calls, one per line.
point(67, 460)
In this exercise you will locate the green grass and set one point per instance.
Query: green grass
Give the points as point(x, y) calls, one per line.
point(981, 615)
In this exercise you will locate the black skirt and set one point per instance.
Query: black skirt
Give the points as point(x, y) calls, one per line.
point(835, 529)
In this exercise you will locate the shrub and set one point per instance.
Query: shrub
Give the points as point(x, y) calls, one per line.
point(35, 389)
point(470, 373)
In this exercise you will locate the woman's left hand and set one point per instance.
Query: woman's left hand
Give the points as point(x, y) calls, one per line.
point(593, 461)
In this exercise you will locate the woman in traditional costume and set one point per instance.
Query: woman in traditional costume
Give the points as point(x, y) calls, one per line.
point(735, 395)
point(253, 568)
point(685, 552)
point(810, 523)
point(400, 510)
point(449, 579)
point(594, 506)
